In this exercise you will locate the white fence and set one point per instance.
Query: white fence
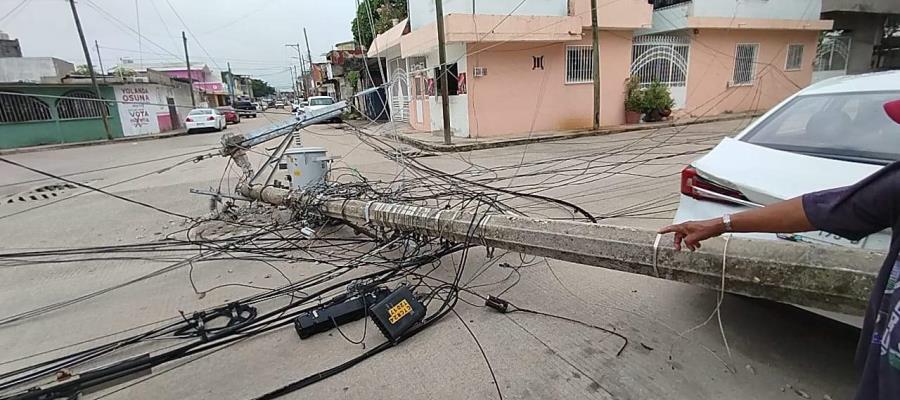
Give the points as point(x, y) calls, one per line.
point(662, 58)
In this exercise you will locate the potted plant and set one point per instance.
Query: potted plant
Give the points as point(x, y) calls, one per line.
point(633, 100)
point(657, 102)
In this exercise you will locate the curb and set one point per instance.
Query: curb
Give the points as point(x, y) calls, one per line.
point(454, 148)
point(60, 146)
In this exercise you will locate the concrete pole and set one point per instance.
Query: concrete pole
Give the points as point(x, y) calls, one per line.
point(442, 58)
point(230, 83)
point(595, 57)
point(87, 57)
point(312, 82)
point(187, 59)
point(829, 278)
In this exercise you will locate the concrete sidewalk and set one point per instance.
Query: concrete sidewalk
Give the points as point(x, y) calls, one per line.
point(433, 141)
point(57, 146)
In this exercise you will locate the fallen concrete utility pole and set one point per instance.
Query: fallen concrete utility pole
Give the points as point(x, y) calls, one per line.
point(829, 278)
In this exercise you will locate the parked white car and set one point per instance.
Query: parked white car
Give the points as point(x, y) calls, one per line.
point(204, 119)
point(315, 103)
point(830, 134)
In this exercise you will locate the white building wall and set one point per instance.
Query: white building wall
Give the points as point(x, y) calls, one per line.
point(33, 69)
point(421, 12)
point(459, 104)
point(765, 9)
point(142, 105)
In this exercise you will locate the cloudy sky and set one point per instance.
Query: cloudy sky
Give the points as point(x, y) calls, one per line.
point(250, 34)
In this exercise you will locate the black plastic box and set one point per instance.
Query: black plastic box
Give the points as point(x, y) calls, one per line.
point(398, 312)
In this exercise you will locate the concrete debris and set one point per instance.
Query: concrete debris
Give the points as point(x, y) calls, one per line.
point(750, 369)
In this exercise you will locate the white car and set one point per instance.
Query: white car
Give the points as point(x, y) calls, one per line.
point(830, 134)
point(204, 119)
point(316, 103)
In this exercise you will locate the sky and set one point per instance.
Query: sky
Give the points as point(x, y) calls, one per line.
point(251, 34)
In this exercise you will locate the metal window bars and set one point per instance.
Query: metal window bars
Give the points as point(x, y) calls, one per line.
point(17, 108)
point(579, 64)
point(745, 63)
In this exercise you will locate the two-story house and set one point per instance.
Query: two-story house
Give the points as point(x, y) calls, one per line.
point(518, 68)
point(728, 55)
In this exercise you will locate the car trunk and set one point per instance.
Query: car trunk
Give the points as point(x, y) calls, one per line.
point(766, 176)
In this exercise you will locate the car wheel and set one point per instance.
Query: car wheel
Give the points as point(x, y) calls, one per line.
point(189, 131)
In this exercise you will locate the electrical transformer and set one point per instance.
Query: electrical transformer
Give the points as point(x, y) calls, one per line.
point(305, 166)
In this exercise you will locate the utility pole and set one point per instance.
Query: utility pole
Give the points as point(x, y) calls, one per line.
point(595, 57)
point(293, 81)
point(442, 58)
point(100, 60)
point(187, 59)
point(230, 83)
point(300, 73)
point(830, 278)
point(87, 57)
point(312, 81)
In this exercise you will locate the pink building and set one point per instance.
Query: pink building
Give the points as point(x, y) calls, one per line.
point(517, 68)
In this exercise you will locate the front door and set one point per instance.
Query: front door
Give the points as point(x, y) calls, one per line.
point(420, 99)
point(173, 113)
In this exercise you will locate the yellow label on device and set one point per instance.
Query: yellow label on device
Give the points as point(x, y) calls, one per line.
point(399, 311)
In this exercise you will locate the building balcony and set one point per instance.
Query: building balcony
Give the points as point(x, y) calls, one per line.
point(673, 15)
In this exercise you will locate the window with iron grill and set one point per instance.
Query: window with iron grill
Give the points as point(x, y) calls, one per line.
point(745, 64)
point(80, 104)
point(579, 64)
point(794, 57)
point(15, 108)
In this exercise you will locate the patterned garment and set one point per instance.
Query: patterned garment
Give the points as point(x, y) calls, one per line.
point(855, 212)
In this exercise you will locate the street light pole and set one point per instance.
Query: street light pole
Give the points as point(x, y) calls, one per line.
point(442, 58)
point(87, 57)
point(187, 59)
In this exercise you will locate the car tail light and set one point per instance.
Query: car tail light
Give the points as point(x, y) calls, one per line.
point(693, 185)
point(189, 119)
point(210, 118)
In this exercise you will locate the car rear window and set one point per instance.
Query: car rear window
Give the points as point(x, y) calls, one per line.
point(847, 126)
point(201, 111)
point(321, 102)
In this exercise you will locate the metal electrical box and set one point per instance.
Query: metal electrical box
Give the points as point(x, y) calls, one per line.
point(305, 166)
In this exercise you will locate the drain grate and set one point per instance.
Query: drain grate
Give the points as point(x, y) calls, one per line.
point(40, 193)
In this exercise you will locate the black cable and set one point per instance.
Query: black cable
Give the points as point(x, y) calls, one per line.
point(93, 188)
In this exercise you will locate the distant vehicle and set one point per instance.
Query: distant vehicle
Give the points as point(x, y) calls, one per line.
point(318, 103)
point(832, 133)
point(270, 103)
point(230, 114)
point(279, 104)
point(205, 119)
point(245, 108)
point(258, 106)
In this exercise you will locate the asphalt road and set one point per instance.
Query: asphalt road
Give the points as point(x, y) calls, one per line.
point(777, 352)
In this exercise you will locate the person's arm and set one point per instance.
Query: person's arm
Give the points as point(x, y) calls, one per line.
point(783, 217)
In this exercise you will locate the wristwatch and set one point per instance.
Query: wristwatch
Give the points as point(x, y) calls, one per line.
point(726, 220)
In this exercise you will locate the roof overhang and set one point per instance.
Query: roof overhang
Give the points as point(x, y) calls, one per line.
point(387, 40)
point(468, 28)
point(759, 23)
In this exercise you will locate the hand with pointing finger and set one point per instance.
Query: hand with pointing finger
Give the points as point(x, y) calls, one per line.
point(693, 232)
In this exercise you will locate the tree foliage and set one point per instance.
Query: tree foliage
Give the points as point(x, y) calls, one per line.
point(82, 70)
point(261, 88)
point(383, 11)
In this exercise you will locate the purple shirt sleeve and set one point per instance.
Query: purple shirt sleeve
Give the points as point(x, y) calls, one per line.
point(857, 211)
